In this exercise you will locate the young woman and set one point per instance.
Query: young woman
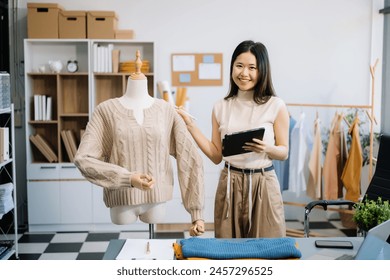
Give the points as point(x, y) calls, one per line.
point(248, 202)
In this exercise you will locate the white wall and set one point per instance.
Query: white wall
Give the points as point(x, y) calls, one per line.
point(320, 51)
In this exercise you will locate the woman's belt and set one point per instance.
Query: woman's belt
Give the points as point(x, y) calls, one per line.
point(250, 170)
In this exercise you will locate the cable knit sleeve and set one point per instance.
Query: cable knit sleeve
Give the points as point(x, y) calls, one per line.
point(190, 168)
point(92, 157)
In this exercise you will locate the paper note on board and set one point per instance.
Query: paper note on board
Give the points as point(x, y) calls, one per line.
point(209, 71)
point(208, 59)
point(183, 63)
point(185, 78)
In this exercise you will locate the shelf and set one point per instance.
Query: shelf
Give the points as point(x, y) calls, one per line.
point(80, 115)
point(122, 74)
point(42, 122)
point(8, 176)
point(5, 110)
point(4, 163)
point(41, 74)
point(57, 74)
point(8, 254)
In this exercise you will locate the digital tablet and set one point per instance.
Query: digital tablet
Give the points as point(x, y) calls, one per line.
point(232, 143)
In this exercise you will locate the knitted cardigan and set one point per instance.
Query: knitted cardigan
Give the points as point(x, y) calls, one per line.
point(114, 146)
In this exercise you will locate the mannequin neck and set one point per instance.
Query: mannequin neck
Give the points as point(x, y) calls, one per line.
point(136, 97)
point(136, 94)
point(137, 89)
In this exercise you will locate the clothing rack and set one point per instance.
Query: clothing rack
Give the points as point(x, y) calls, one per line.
point(299, 233)
point(370, 114)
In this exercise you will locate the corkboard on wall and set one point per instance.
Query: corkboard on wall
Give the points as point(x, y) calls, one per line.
point(196, 69)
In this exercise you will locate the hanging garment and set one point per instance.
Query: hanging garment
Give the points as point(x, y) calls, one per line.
point(335, 158)
point(314, 183)
point(343, 159)
point(300, 148)
point(353, 168)
point(282, 166)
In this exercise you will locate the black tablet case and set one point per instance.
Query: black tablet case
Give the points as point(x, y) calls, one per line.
point(232, 143)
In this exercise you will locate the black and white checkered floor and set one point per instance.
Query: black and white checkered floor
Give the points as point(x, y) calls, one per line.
point(92, 245)
point(74, 245)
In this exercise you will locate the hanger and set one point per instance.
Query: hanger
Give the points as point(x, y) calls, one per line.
point(346, 120)
point(372, 118)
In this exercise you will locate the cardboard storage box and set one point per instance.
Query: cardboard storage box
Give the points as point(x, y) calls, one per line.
point(124, 34)
point(42, 20)
point(72, 24)
point(101, 24)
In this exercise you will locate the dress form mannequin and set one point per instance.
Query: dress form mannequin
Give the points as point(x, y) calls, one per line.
point(125, 188)
point(137, 98)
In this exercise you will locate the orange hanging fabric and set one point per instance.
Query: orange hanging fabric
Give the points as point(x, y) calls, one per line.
point(335, 158)
point(353, 168)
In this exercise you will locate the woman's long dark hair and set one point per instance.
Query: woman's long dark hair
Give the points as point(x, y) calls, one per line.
point(263, 89)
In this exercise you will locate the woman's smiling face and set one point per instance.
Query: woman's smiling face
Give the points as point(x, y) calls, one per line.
point(245, 72)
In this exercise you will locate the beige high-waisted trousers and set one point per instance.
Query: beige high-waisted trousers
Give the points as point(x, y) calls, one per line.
point(232, 218)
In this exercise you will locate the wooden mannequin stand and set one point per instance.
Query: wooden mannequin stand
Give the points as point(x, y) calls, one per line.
point(138, 75)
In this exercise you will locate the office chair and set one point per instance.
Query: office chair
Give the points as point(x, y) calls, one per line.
point(379, 185)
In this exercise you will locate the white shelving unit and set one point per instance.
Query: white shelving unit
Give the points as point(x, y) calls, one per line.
point(8, 175)
point(59, 197)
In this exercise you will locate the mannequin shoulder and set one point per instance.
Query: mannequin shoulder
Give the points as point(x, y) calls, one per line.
point(164, 105)
point(108, 106)
point(109, 103)
point(166, 109)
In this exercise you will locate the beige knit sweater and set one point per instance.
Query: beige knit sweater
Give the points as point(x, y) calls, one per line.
point(114, 146)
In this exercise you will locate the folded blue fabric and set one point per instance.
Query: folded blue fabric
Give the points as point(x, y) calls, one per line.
point(261, 248)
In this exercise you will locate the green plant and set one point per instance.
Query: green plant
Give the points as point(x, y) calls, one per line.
point(370, 213)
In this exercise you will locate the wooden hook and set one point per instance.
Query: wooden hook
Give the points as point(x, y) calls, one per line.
point(372, 68)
